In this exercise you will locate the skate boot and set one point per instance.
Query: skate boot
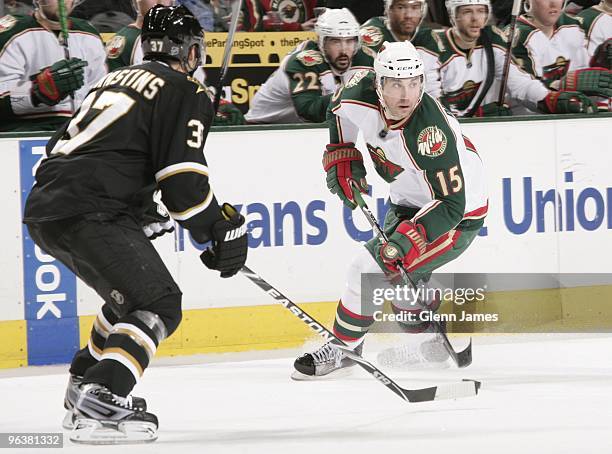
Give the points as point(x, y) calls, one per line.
point(326, 362)
point(419, 354)
point(102, 418)
point(72, 394)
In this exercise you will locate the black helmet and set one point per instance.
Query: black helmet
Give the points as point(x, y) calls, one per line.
point(168, 32)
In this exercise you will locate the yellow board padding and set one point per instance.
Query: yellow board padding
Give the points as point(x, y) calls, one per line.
point(250, 48)
point(13, 344)
point(235, 329)
point(579, 309)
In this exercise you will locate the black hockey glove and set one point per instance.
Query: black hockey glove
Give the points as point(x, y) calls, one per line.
point(156, 221)
point(230, 243)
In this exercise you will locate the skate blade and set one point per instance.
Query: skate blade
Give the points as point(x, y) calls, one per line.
point(67, 421)
point(339, 373)
point(93, 432)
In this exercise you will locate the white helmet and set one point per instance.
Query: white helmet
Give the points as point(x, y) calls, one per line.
point(452, 5)
point(337, 23)
point(399, 60)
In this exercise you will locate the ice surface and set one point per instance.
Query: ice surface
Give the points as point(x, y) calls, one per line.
point(547, 395)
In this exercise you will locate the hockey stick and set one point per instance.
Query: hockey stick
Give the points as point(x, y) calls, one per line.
point(195, 7)
point(516, 10)
point(227, 51)
point(466, 388)
point(462, 358)
point(63, 20)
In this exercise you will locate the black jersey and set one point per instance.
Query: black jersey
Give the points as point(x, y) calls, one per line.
point(139, 129)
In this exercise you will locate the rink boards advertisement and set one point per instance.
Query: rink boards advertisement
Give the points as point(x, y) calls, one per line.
point(550, 211)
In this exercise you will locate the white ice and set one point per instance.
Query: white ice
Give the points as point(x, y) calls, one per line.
point(543, 395)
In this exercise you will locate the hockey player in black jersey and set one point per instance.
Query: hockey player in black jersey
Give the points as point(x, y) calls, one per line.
point(140, 129)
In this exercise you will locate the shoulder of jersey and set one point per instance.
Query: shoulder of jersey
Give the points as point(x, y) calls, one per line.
point(436, 40)
point(308, 59)
point(587, 16)
point(14, 25)
point(361, 59)
point(524, 26)
point(498, 36)
point(566, 19)
point(81, 25)
point(431, 39)
point(359, 88)
point(122, 41)
point(372, 33)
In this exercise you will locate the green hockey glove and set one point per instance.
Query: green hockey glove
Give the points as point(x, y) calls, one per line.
point(590, 81)
point(344, 164)
point(562, 102)
point(55, 82)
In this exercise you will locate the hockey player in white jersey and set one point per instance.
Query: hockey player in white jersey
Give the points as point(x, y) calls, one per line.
point(301, 88)
point(552, 47)
point(470, 62)
point(597, 25)
point(437, 188)
point(36, 80)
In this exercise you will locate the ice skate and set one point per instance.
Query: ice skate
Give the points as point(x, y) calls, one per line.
point(101, 417)
point(418, 354)
point(326, 362)
point(72, 394)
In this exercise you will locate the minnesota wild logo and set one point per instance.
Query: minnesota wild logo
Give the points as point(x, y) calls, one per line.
point(355, 78)
point(371, 36)
point(386, 169)
point(431, 142)
point(310, 57)
point(556, 70)
point(291, 11)
point(460, 99)
point(7, 22)
point(115, 46)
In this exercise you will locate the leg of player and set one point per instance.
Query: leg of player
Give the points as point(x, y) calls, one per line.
point(143, 306)
point(87, 357)
point(353, 320)
point(426, 350)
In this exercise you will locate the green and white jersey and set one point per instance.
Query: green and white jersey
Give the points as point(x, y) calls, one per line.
point(300, 89)
point(427, 161)
point(124, 48)
point(597, 25)
point(375, 32)
point(550, 59)
point(462, 74)
point(26, 48)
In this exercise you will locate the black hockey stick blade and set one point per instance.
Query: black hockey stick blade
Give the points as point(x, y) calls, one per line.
point(464, 389)
point(462, 358)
